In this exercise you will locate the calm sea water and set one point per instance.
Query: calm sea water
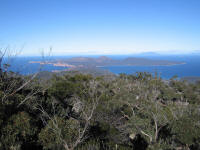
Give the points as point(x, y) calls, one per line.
point(191, 68)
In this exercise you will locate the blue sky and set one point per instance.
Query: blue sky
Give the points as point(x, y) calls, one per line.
point(100, 26)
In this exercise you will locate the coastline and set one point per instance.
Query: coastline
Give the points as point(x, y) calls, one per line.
point(60, 64)
point(141, 65)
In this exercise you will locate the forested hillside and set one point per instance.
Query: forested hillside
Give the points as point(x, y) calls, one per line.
point(83, 112)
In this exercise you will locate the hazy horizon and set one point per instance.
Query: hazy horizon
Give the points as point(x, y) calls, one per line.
point(153, 53)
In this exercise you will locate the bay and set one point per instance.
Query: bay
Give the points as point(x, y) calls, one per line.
point(190, 68)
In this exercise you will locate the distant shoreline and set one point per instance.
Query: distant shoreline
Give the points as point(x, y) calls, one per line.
point(140, 65)
point(104, 61)
point(73, 66)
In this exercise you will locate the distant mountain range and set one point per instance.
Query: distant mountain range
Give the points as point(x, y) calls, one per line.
point(175, 52)
point(88, 62)
point(106, 61)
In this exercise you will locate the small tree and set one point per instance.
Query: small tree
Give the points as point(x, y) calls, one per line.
point(70, 131)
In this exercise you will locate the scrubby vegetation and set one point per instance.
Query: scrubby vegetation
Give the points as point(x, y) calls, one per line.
point(83, 112)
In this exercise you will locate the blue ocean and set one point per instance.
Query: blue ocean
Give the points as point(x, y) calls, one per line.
point(190, 68)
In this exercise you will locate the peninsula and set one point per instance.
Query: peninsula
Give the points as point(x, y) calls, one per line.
point(88, 62)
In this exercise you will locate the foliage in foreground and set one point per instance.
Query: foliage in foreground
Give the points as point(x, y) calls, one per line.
point(85, 112)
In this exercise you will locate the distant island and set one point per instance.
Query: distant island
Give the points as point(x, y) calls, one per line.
point(103, 61)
